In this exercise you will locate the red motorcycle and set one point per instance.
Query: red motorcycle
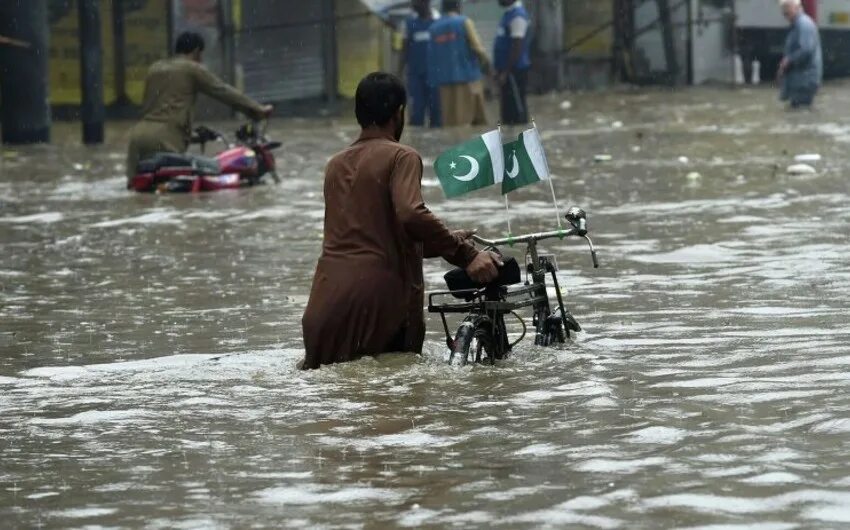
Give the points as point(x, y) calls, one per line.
point(240, 165)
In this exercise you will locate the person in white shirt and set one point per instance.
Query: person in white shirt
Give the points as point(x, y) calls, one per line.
point(512, 60)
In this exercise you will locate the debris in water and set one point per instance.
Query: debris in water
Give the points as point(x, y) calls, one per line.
point(635, 149)
point(693, 175)
point(684, 160)
point(801, 169)
point(566, 105)
point(617, 125)
point(602, 158)
point(808, 157)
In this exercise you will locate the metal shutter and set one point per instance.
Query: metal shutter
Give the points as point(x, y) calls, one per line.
point(280, 49)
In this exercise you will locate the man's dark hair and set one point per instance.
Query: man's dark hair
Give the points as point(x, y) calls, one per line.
point(450, 5)
point(188, 42)
point(378, 98)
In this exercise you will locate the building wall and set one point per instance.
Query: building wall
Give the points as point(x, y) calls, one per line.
point(362, 41)
point(146, 41)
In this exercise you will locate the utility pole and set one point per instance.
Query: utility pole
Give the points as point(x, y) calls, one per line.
point(91, 71)
point(666, 19)
point(329, 54)
point(119, 39)
point(24, 72)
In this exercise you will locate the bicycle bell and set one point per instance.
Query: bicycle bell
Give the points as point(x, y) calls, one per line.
point(578, 218)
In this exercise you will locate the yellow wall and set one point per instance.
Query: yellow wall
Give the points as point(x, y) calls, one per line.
point(581, 17)
point(359, 37)
point(146, 41)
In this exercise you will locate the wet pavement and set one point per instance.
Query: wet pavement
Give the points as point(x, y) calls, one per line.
point(148, 343)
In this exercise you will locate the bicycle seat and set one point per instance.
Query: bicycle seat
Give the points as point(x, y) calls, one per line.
point(459, 280)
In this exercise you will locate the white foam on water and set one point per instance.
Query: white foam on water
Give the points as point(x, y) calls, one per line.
point(92, 417)
point(656, 435)
point(416, 517)
point(510, 494)
point(410, 439)
point(749, 526)
point(835, 501)
point(84, 513)
point(36, 218)
point(778, 477)
point(703, 382)
point(544, 449)
point(559, 516)
point(312, 494)
point(834, 426)
point(585, 503)
point(42, 495)
point(156, 216)
point(608, 465)
point(832, 514)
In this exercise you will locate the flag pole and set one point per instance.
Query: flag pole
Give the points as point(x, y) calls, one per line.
point(549, 175)
point(507, 202)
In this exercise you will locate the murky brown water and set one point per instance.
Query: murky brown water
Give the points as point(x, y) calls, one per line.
point(148, 343)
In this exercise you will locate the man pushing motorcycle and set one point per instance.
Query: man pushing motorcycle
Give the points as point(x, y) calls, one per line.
point(171, 87)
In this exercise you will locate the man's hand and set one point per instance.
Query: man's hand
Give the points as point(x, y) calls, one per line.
point(783, 68)
point(485, 267)
point(267, 110)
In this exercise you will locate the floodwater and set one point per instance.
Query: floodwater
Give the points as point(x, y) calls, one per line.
point(148, 343)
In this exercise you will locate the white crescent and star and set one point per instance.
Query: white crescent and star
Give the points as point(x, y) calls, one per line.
point(515, 164)
point(473, 170)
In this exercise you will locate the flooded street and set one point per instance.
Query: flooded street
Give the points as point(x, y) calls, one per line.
point(148, 343)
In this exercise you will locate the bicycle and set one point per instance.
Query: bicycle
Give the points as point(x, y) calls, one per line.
point(482, 335)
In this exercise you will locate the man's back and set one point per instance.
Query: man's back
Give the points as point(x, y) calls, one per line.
point(170, 91)
point(360, 214)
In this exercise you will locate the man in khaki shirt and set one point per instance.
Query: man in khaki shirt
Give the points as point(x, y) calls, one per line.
point(368, 290)
point(171, 87)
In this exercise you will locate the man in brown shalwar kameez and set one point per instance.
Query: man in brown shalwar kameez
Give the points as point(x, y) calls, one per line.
point(368, 294)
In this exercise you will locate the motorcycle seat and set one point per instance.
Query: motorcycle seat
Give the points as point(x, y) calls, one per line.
point(200, 165)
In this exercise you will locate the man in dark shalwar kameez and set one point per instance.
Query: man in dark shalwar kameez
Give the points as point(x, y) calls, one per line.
point(368, 293)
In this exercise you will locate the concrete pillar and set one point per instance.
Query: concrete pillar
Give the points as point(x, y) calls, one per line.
point(666, 20)
point(329, 53)
point(24, 88)
point(119, 39)
point(91, 71)
point(547, 52)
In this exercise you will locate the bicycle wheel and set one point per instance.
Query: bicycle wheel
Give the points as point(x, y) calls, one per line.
point(473, 341)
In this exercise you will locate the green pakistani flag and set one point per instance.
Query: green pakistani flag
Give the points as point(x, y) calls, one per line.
point(472, 165)
point(525, 162)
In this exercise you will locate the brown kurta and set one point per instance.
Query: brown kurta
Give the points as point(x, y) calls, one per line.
point(368, 293)
point(171, 87)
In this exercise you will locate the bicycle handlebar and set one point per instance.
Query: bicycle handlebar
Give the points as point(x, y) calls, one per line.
point(540, 236)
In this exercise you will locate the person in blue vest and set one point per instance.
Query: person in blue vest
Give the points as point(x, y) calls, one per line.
point(424, 96)
point(456, 62)
point(511, 60)
point(801, 69)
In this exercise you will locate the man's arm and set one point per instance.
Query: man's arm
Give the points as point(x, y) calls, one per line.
point(518, 30)
point(211, 85)
point(418, 221)
point(807, 39)
point(474, 42)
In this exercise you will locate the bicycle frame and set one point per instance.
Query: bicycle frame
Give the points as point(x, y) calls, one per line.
point(490, 304)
